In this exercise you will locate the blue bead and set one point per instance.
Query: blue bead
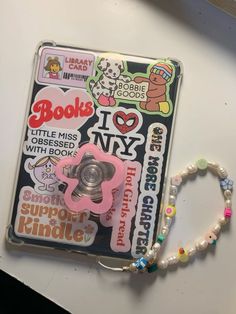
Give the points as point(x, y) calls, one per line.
point(141, 263)
point(226, 184)
point(152, 268)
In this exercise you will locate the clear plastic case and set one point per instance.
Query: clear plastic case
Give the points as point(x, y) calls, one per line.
point(123, 104)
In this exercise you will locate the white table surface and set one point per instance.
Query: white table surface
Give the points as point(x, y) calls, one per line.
point(204, 39)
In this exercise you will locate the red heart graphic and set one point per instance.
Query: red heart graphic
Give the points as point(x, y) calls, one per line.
point(125, 122)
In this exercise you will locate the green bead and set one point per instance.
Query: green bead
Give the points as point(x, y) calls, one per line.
point(202, 164)
point(152, 268)
point(160, 238)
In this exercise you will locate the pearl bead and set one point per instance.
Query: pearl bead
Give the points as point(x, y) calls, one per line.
point(164, 231)
point(133, 268)
point(184, 173)
point(172, 200)
point(192, 169)
point(222, 173)
point(150, 255)
point(228, 203)
point(156, 247)
point(191, 252)
point(216, 229)
point(168, 221)
point(163, 264)
point(172, 260)
point(227, 194)
point(173, 190)
point(223, 220)
point(213, 165)
point(201, 245)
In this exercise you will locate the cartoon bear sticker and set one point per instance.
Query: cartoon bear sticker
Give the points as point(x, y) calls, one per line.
point(160, 75)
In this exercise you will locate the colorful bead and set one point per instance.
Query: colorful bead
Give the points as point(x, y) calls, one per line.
point(152, 268)
point(226, 184)
point(141, 263)
point(170, 211)
point(211, 237)
point(176, 180)
point(160, 238)
point(227, 212)
point(148, 262)
point(183, 256)
point(202, 164)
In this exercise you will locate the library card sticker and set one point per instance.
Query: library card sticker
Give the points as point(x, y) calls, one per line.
point(65, 68)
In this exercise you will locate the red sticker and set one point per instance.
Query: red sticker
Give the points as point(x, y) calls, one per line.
point(125, 122)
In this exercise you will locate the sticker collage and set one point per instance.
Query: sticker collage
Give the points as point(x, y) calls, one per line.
point(123, 104)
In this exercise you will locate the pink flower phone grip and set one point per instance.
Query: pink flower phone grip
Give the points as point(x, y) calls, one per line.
point(91, 176)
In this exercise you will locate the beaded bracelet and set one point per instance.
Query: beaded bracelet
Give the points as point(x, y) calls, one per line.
point(150, 261)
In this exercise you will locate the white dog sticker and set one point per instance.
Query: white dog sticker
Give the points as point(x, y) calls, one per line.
point(104, 88)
